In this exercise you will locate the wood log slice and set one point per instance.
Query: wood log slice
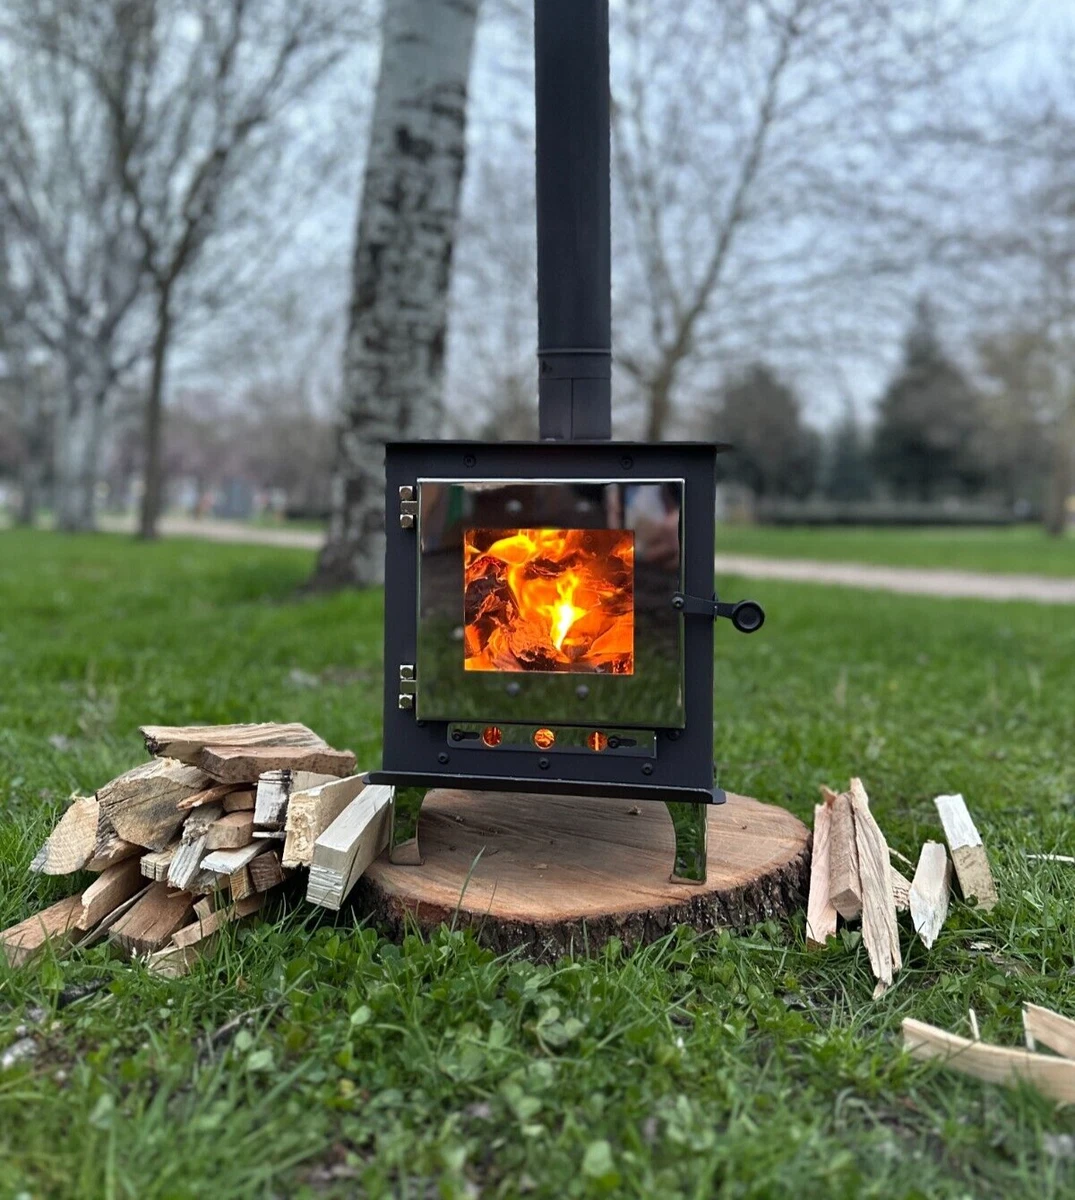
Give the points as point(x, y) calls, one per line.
point(562, 873)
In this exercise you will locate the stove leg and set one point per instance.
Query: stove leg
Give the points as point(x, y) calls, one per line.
point(403, 835)
point(690, 821)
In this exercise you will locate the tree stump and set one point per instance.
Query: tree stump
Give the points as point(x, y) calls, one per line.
point(552, 874)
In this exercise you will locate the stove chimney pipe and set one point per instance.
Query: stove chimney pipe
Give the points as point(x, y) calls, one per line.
point(574, 257)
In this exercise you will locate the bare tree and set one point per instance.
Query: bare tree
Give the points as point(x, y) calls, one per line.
point(73, 275)
point(394, 355)
point(765, 160)
point(193, 94)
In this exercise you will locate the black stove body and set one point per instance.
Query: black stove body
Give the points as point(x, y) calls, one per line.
point(624, 705)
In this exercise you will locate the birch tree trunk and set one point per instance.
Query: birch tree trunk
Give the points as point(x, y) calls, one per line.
point(394, 355)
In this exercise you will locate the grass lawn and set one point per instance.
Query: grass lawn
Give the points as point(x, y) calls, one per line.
point(1021, 548)
point(311, 1057)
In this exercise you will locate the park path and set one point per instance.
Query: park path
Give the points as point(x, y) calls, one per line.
point(910, 581)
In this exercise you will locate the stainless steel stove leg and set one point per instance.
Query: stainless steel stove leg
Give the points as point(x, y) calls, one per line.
point(691, 823)
point(403, 835)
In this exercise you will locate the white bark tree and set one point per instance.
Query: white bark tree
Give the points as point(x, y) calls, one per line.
point(394, 355)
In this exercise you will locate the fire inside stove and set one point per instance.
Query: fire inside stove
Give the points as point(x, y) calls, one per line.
point(549, 600)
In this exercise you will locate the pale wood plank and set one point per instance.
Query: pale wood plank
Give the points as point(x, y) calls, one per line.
point(880, 932)
point(929, 892)
point(1050, 1028)
point(227, 862)
point(845, 888)
point(820, 912)
point(968, 854)
point(344, 851)
point(185, 741)
point(311, 811)
point(1053, 1077)
point(901, 890)
point(155, 865)
point(236, 765)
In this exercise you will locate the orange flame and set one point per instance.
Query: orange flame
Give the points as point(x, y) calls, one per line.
point(549, 600)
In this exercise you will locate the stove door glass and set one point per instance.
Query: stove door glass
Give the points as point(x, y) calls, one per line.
point(550, 601)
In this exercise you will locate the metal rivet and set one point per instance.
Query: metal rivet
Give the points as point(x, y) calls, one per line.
point(582, 691)
point(406, 521)
point(469, 460)
point(405, 701)
point(627, 462)
point(513, 688)
point(442, 757)
point(543, 763)
point(457, 735)
point(647, 768)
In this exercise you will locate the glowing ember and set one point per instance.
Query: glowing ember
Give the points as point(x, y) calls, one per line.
point(549, 600)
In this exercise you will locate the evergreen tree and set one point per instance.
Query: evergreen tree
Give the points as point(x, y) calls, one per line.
point(929, 421)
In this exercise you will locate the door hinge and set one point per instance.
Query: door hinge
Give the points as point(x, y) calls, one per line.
point(408, 507)
point(408, 686)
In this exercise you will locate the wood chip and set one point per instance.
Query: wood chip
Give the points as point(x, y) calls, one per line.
point(240, 884)
point(142, 805)
point(108, 891)
point(185, 741)
point(54, 925)
point(968, 853)
point(71, 844)
point(820, 913)
point(1053, 1077)
point(311, 811)
point(845, 890)
point(231, 831)
point(173, 962)
point(1050, 1028)
point(349, 845)
point(150, 923)
point(227, 862)
point(216, 794)
point(929, 892)
point(230, 764)
point(880, 932)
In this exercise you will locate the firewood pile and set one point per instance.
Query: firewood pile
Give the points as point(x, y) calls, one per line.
point(852, 877)
point(189, 841)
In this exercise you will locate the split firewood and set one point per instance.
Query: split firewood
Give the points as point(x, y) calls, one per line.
point(820, 913)
point(142, 804)
point(113, 850)
point(311, 811)
point(270, 800)
point(240, 885)
point(203, 907)
point(880, 932)
point(232, 764)
point(968, 853)
point(266, 872)
point(845, 889)
point(1053, 1077)
point(173, 962)
point(929, 892)
point(216, 794)
point(54, 926)
point(186, 741)
point(71, 844)
point(349, 845)
point(101, 929)
point(1050, 1028)
point(108, 891)
point(231, 831)
point(227, 862)
point(201, 929)
point(155, 865)
point(240, 801)
point(150, 923)
point(192, 849)
point(901, 891)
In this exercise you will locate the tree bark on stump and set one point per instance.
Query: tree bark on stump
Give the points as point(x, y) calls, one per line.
point(550, 875)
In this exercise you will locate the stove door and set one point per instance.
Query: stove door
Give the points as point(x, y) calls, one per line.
point(550, 601)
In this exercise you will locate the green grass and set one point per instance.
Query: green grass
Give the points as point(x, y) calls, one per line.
point(1021, 549)
point(311, 1057)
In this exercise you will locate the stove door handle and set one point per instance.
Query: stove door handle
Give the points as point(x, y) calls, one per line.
point(746, 615)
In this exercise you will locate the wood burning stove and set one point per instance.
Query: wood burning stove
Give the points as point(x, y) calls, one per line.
point(549, 606)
